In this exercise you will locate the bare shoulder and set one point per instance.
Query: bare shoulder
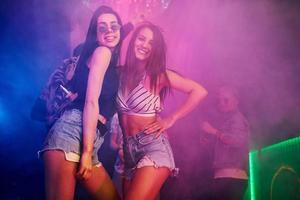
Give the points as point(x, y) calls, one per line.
point(102, 51)
point(100, 57)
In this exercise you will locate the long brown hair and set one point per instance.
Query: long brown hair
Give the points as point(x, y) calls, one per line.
point(155, 66)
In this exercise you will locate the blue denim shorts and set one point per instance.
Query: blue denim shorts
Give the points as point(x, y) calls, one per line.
point(143, 149)
point(66, 135)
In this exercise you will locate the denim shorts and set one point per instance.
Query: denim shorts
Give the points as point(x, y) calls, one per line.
point(143, 149)
point(66, 135)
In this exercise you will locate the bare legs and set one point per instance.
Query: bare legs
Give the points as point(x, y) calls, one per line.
point(59, 176)
point(100, 186)
point(60, 179)
point(146, 183)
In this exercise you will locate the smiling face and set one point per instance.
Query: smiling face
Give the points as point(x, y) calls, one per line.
point(143, 44)
point(108, 30)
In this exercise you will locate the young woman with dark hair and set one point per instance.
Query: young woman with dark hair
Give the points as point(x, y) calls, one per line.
point(72, 144)
point(144, 83)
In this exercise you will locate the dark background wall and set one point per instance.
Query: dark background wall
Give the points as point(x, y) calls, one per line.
point(29, 29)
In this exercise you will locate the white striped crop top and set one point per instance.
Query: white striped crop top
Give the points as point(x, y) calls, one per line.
point(139, 101)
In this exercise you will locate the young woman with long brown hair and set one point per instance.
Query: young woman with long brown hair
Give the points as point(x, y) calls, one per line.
point(144, 83)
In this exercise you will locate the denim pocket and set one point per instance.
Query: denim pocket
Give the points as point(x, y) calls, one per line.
point(72, 117)
point(147, 139)
point(129, 154)
point(98, 141)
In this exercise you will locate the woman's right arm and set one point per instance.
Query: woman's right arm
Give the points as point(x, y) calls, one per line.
point(97, 67)
point(195, 92)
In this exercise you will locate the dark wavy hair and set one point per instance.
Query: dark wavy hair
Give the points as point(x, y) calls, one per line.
point(91, 42)
point(155, 66)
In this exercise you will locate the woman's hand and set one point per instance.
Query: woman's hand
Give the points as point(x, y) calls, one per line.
point(85, 169)
point(159, 126)
point(208, 128)
point(72, 96)
point(102, 119)
point(139, 18)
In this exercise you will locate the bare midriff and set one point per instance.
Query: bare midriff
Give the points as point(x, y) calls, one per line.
point(133, 124)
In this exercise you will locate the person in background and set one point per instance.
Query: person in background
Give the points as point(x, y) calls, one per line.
point(231, 147)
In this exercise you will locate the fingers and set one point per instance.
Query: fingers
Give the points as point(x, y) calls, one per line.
point(153, 128)
point(156, 128)
point(205, 126)
point(84, 173)
point(158, 133)
point(150, 125)
point(102, 119)
point(72, 96)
